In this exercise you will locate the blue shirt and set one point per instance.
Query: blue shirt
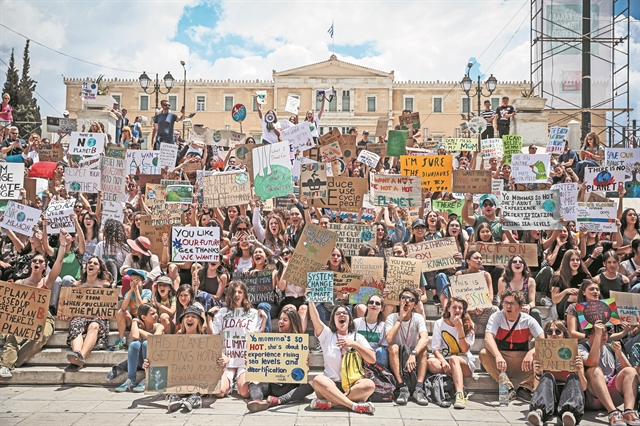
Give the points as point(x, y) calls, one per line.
point(165, 126)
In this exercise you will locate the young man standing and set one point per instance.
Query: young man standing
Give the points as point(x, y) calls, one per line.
point(503, 116)
point(488, 114)
point(163, 125)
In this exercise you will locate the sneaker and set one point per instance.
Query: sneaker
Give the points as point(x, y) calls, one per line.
point(568, 419)
point(193, 401)
point(403, 396)
point(535, 417)
point(257, 405)
point(140, 387)
point(120, 344)
point(175, 402)
point(420, 397)
point(320, 404)
point(127, 386)
point(461, 401)
point(524, 394)
point(512, 394)
point(273, 401)
point(546, 301)
point(436, 300)
point(115, 372)
point(5, 373)
point(364, 408)
point(631, 418)
point(76, 358)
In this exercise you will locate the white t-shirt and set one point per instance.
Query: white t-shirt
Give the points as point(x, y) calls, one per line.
point(374, 333)
point(409, 332)
point(314, 127)
point(234, 326)
point(244, 265)
point(267, 135)
point(445, 339)
point(332, 354)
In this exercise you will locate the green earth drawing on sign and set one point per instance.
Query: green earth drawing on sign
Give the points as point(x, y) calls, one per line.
point(564, 353)
point(155, 161)
point(277, 184)
point(75, 186)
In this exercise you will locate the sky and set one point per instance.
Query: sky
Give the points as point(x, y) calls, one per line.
point(424, 40)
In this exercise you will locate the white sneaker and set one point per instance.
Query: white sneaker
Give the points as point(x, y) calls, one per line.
point(5, 373)
point(568, 419)
point(546, 301)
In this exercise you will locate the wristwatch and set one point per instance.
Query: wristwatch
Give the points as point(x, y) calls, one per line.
point(414, 352)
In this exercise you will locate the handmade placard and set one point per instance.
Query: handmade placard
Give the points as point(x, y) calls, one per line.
point(333, 136)
point(409, 121)
point(531, 210)
point(277, 358)
point(298, 136)
point(112, 179)
point(142, 162)
point(369, 158)
point(58, 213)
point(401, 273)
point(346, 282)
point(292, 105)
point(259, 285)
point(87, 143)
point(88, 302)
point(195, 244)
point(604, 310)
point(154, 233)
point(605, 179)
point(557, 136)
point(397, 144)
point(351, 236)
point(311, 253)
point(82, 180)
point(501, 253)
point(167, 214)
point(168, 155)
point(434, 254)
point(51, 152)
point(321, 285)
point(404, 191)
point(597, 217)
point(116, 151)
point(628, 305)
point(568, 199)
point(372, 271)
point(343, 193)
point(330, 152)
point(557, 354)
point(20, 218)
point(461, 144)
point(24, 310)
point(448, 207)
point(226, 189)
point(491, 148)
point(382, 125)
point(182, 194)
point(434, 170)
point(472, 181)
point(272, 170)
point(530, 168)
point(511, 144)
point(313, 180)
point(472, 288)
point(11, 180)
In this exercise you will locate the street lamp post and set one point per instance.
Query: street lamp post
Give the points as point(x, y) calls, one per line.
point(145, 81)
point(184, 95)
point(466, 83)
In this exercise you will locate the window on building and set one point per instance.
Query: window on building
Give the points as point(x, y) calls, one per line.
point(345, 130)
point(254, 104)
point(408, 103)
point(118, 98)
point(144, 102)
point(346, 100)
point(371, 104)
point(495, 103)
point(173, 102)
point(465, 105)
point(437, 104)
point(321, 131)
point(333, 105)
point(201, 102)
point(228, 102)
point(425, 132)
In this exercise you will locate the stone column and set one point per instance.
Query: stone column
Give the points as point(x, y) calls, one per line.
point(531, 122)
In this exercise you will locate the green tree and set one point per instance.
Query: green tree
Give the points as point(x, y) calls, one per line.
point(12, 81)
point(27, 109)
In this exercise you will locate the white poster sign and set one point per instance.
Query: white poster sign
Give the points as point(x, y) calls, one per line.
point(535, 210)
point(87, 143)
point(298, 136)
point(168, 155)
point(568, 199)
point(11, 180)
point(293, 105)
point(58, 213)
point(557, 136)
point(597, 217)
point(82, 180)
point(143, 162)
point(20, 218)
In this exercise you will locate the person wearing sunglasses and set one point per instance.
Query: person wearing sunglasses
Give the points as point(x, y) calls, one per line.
point(372, 327)
point(612, 381)
point(408, 338)
point(517, 275)
point(557, 391)
point(163, 125)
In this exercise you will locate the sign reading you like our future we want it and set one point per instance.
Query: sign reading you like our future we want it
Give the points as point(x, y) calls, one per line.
point(190, 244)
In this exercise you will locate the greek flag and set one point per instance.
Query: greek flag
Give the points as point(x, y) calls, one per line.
point(330, 30)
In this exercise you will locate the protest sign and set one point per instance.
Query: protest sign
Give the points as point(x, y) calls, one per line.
point(166, 214)
point(184, 363)
point(182, 194)
point(557, 136)
point(434, 170)
point(143, 160)
point(298, 136)
point(115, 151)
point(11, 180)
point(333, 136)
point(82, 180)
point(346, 282)
point(261, 97)
point(598, 216)
point(272, 170)
point(311, 253)
point(492, 148)
point(461, 144)
point(86, 143)
point(604, 179)
point(195, 244)
point(473, 289)
point(292, 105)
point(58, 212)
point(20, 218)
point(321, 285)
point(87, 302)
point(597, 198)
point(372, 271)
point(557, 354)
point(604, 310)
point(472, 181)
point(511, 144)
point(496, 188)
point(233, 324)
point(343, 193)
point(351, 236)
point(90, 162)
point(568, 199)
point(380, 149)
point(24, 310)
point(89, 92)
point(155, 193)
point(369, 158)
point(401, 273)
point(112, 179)
point(35, 187)
point(404, 191)
point(448, 207)
point(409, 121)
point(227, 138)
point(397, 144)
point(628, 305)
point(63, 125)
point(226, 189)
point(168, 155)
point(627, 157)
point(238, 113)
point(531, 210)
point(382, 126)
point(434, 254)
point(313, 180)
point(51, 152)
point(477, 125)
point(112, 210)
point(154, 233)
point(500, 253)
point(330, 152)
point(277, 358)
point(530, 168)
point(259, 285)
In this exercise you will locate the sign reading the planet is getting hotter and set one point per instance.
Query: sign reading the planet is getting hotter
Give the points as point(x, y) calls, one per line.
point(86, 143)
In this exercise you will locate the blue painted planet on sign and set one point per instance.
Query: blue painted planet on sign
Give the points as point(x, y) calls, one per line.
point(297, 374)
point(91, 142)
point(21, 217)
point(238, 112)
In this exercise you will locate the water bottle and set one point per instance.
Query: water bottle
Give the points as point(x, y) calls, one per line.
point(503, 389)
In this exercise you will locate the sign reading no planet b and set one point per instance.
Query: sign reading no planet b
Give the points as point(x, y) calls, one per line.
point(86, 143)
point(557, 354)
point(277, 358)
point(20, 218)
point(628, 305)
point(195, 244)
point(24, 312)
point(531, 210)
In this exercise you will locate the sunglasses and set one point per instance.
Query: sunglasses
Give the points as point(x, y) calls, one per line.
point(517, 261)
point(242, 229)
point(374, 302)
point(286, 253)
point(93, 263)
point(37, 261)
point(340, 313)
point(409, 299)
point(557, 332)
point(609, 331)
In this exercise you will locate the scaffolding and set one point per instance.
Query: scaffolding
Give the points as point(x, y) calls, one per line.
point(604, 42)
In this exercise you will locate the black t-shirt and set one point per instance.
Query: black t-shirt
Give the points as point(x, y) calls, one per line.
point(503, 110)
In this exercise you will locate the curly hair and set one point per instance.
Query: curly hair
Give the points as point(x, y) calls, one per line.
point(115, 236)
point(508, 270)
point(246, 305)
point(467, 323)
point(516, 294)
point(103, 273)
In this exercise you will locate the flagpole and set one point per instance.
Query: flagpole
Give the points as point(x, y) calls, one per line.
point(333, 40)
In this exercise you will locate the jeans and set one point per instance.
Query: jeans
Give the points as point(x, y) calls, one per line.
point(382, 357)
point(582, 165)
point(442, 284)
point(535, 313)
point(135, 357)
point(66, 281)
point(635, 289)
point(546, 394)
point(268, 308)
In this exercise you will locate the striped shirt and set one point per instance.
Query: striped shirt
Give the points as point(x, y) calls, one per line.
point(488, 114)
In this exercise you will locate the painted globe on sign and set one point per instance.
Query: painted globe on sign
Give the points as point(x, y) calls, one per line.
point(297, 374)
point(21, 217)
point(91, 142)
point(242, 153)
point(366, 235)
point(75, 186)
point(242, 178)
point(155, 162)
point(549, 206)
point(564, 353)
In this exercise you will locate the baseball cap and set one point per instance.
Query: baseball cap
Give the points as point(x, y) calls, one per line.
point(65, 112)
point(139, 272)
point(365, 132)
point(418, 222)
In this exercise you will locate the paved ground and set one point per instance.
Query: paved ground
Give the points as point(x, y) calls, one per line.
point(53, 405)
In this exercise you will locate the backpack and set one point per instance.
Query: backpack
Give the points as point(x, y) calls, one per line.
point(384, 381)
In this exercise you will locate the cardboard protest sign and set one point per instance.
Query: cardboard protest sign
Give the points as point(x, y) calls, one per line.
point(401, 273)
point(259, 285)
point(511, 144)
point(597, 198)
point(343, 193)
point(448, 207)
point(500, 253)
point(112, 179)
point(87, 143)
point(115, 151)
point(627, 157)
point(461, 144)
point(557, 136)
point(313, 180)
point(82, 180)
point(87, 302)
point(604, 310)
point(397, 144)
point(382, 125)
point(472, 181)
point(154, 233)
point(568, 199)
point(20, 218)
point(226, 138)
point(58, 212)
point(321, 285)
point(277, 358)
point(112, 210)
point(143, 160)
point(530, 168)
point(492, 148)
point(35, 187)
point(597, 217)
point(182, 194)
point(155, 193)
point(272, 170)
point(604, 179)
point(24, 310)
point(166, 214)
point(351, 236)
point(292, 105)
point(11, 180)
point(168, 155)
point(311, 254)
point(90, 162)
point(369, 158)
point(472, 288)
point(184, 363)
point(330, 152)
point(434, 170)
point(410, 121)
point(51, 152)
point(628, 305)
point(333, 136)
point(195, 244)
point(226, 189)
point(346, 282)
point(434, 254)
point(298, 136)
point(557, 354)
point(531, 210)
point(372, 271)
point(404, 191)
